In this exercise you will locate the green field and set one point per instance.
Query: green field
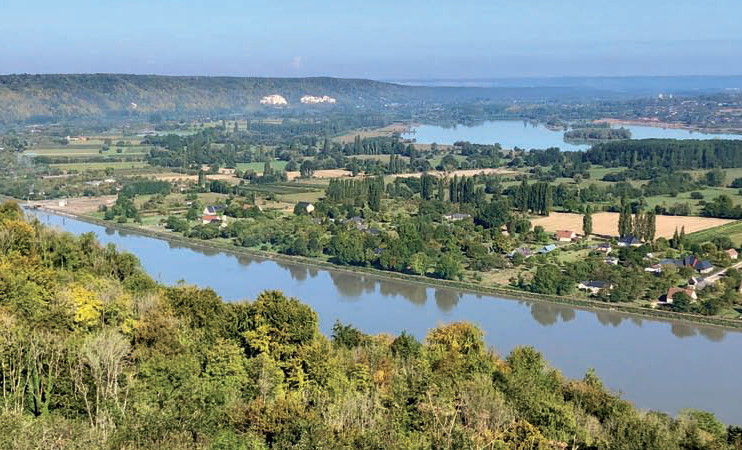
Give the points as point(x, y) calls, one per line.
point(733, 230)
point(257, 167)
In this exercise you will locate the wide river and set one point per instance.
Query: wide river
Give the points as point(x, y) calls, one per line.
point(658, 365)
point(511, 133)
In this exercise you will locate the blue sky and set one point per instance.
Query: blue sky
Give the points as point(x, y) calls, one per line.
point(373, 39)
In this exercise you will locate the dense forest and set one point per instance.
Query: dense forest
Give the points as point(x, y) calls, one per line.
point(94, 354)
point(668, 153)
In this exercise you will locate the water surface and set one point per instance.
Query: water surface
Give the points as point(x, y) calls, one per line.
point(658, 365)
point(526, 135)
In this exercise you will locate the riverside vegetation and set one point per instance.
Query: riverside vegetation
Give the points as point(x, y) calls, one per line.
point(94, 354)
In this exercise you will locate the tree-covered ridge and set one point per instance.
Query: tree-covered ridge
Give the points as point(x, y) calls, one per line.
point(94, 354)
point(668, 153)
point(59, 97)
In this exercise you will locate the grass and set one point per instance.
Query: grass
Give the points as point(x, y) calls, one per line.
point(732, 230)
point(258, 166)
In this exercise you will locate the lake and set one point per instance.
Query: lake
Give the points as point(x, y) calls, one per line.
point(526, 135)
point(658, 365)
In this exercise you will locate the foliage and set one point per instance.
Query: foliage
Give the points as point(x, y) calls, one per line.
point(92, 359)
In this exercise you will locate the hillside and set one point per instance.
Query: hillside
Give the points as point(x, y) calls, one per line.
point(49, 98)
point(94, 354)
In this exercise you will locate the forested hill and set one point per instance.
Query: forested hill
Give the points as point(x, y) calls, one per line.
point(95, 355)
point(45, 98)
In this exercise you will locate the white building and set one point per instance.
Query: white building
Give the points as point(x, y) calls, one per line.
point(274, 99)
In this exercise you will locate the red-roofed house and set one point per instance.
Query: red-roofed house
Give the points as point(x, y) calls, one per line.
point(673, 291)
point(565, 235)
point(733, 253)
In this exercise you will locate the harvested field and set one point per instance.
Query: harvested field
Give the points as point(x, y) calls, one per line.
point(462, 173)
point(378, 132)
point(182, 178)
point(606, 223)
point(81, 205)
point(328, 173)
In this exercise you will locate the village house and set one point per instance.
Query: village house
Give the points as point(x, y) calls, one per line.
point(629, 241)
point(547, 249)
point(732, 253)
point(455, 217)
point(565, 235)
point(214, 214)
point(305, 207)
point(612, 260)
point(690, 261)
point(523, 251)
point(667, 299)
point(604, 247)
point(594, 287)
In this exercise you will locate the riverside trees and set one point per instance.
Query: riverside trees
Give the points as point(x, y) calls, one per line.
point(95, 355)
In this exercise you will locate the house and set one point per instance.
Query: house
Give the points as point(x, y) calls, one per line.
point(668, 298)
point(213, 210)
point(356, 221)
point(211, 218)
point(732, 253)
point(654, 268)
point(629, 241)
point(548, 249)
point(690, 261)
point(594, 287)
point(565, 235)
point(523, 251)
point(612, 260)
point(455, 217)
point(305, 207)
point(604, 247)
point(372, 231)
point(704, 267)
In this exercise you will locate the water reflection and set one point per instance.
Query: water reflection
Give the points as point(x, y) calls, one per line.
point(446, 299)
point(609, 318)
point(682, 330)
point(548, 314)
point(352, 285)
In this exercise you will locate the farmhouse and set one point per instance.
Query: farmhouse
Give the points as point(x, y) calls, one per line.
point(732, 253)
point(213, 210)
point(455, 217)
point(629, 241)
point(565, 235)
point(690, 261)
point(525, 252)
point(604, 247)
point(594, 287)
point(547, 249)
point(668, 298)
point(305, 207)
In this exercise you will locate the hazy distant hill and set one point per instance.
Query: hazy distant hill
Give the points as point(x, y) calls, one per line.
point(55, 97)
point(43, 98)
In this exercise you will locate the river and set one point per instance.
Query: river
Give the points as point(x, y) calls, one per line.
point(527, 135)
point(658, 365)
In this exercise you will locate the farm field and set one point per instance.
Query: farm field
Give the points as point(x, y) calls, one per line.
point(328, 173)
point(101, 165)
point(460, 173)
point(378, 132)
point(79, 205)
point(732, 230)
point(257, 167)
point(606, 223)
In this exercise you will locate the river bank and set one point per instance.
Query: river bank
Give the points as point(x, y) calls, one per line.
point(647, 122)
point(501, 291)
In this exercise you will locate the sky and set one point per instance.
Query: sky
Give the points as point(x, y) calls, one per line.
point(378, 39)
